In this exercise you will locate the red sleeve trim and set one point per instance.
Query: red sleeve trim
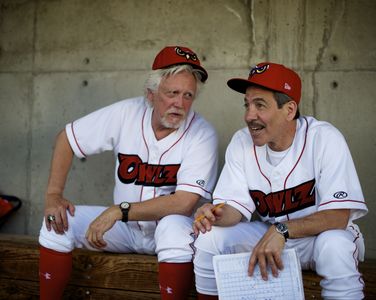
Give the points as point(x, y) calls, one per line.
point(235, 202)
point(333, 201)
point(75, 139)
point(195, 186)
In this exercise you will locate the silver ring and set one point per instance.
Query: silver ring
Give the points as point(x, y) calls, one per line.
point(51, 218)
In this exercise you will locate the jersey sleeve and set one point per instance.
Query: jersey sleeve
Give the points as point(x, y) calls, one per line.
point(96, 132)
point(338, 185)
point(232, 186)
point(198, 169)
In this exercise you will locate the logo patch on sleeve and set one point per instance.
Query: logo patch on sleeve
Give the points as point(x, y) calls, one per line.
point(200, 182)
point(340, 195)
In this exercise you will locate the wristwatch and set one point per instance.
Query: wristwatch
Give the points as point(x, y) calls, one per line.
point(125, 207)
point(282, 229)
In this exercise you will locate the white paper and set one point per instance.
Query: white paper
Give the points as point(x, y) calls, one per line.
point(233, 282)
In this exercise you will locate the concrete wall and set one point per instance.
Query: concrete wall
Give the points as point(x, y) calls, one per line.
point(60, 59)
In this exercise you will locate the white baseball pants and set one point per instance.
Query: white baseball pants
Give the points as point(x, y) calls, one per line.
point(333, 254)
point(171, 238)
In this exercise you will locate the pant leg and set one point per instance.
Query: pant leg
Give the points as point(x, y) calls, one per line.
point(120, 238)
point(174, 247)
point(55, 254)
point(335, 256)
point(174, 239)
point(222, 240)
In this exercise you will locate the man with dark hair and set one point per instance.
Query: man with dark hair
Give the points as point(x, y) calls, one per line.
point(298, 175)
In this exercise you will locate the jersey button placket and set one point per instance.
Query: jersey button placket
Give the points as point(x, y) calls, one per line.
point(277, 184)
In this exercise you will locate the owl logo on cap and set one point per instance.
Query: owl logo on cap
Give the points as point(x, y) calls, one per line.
point(187, 55)
point(258, 70)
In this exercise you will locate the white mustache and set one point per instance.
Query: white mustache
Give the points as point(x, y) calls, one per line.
point(176, 111)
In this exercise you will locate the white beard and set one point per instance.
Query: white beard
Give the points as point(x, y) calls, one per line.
point(170, 125)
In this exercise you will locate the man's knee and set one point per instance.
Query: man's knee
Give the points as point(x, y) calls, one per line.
point(172, 226)
point(174, 239)
point(334, 249)
point(58, 242)
point(333, 242)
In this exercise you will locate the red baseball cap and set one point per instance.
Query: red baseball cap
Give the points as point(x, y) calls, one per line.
point(177, 55)
point(272, 76)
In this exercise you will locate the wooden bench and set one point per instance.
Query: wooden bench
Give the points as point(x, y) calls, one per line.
point(103, 276)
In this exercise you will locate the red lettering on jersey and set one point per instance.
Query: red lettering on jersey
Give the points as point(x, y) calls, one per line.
point(170, 173)
point(284, 202)
point(158, 177)
point(278, 201)
point(270, 203)
point(293, 200)
point(142, 172)
point(258, 198)
point(146, 174)
point(132, 170)
point(128, 167)
point(306, 193)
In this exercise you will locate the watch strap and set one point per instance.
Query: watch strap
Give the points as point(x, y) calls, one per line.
point(124, 212)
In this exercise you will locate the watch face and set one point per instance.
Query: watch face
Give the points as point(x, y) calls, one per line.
point(282, 228)
point(124, 205)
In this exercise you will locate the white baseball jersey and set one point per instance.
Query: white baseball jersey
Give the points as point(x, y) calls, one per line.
point(146, 167)
point(316, 173)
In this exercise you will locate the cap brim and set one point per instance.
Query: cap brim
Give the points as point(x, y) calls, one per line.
point(204, 74)
point(238, 84)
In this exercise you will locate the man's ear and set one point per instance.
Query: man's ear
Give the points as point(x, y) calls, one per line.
point(291, 109)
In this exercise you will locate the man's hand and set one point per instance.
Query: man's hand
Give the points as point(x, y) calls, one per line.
point(269, 249)
point(57, 207)
point(268, 253)
point(205, 217)
point(102, 224)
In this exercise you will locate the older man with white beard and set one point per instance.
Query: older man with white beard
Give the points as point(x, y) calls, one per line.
point(166, 160)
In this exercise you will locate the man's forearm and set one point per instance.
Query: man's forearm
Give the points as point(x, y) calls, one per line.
point(318, 222)
point(60, 165)
point(231, 216)
point(181, 203)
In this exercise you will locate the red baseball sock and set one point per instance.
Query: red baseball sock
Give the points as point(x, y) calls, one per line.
point(54, 272)
point(175, 280)
point(206, 297)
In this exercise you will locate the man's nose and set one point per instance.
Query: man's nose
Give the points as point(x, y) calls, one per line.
point(179, 100)
point(250, 114)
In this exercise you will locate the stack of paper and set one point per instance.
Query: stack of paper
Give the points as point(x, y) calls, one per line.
point(233, 282)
